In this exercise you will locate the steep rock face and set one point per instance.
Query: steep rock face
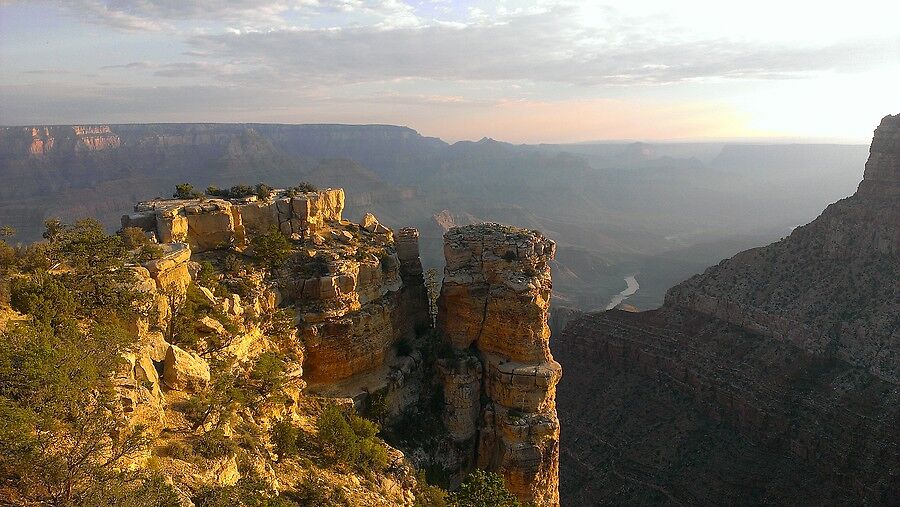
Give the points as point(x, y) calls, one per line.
point(771, 377)
point(493, 312)
point(355, 294)
point(831, 286)
point(41, 141)
point(882, 175)
point(208, 224)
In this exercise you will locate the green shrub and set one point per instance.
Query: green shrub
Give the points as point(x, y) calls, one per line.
point(149, 252)
point(133, 237)
point(305, 186)
point(483, 489)
point(239, 191)
point(186, 313)
point(351, 441)
point(282, 325)
point(271, 249)
point(428, 495)
point(285, 436)
point(43, 297)
point(247, 492)
point(336, 437)
point(265, 379)
point(186, 191)
point(263, 190)
point(362, 427)
point(95, 260)
point(55, 394)
point(180, 450)
point(206, 276)
point(319, 494)
point(373, 455)
point(214, 444)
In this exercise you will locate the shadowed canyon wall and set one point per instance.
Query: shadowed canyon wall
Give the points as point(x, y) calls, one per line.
point(772, 376)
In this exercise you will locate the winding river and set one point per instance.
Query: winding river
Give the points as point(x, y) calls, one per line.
point(631, 286)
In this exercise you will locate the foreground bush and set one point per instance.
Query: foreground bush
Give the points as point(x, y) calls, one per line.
point(343, 440)
point(483, 489)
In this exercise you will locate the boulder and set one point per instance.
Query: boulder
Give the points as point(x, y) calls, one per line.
point(185, 371)
point(208, 324)
point(369, 222)
point(208, 294)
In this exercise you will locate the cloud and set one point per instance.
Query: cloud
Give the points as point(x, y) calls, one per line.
point(47, 72)
point(385, 61)
point(156, 15)
point(130, 65)
point(550, 46)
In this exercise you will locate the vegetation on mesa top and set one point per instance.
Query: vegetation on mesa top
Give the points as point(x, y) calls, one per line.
point(261, 190)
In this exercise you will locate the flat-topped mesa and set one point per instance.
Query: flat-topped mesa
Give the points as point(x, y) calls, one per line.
point(212, 223)
point(493, 312)
point(882, 175)
point(354, 294)
point(496, 290)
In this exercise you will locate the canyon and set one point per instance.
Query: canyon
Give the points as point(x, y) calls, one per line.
point(772, 376)
point(666, 210)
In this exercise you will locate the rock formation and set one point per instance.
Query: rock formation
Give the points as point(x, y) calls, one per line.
point(41, 141)
point(831, 286)
point(208, 224)
point(773, 375)
point(355, 295)
point(882, 175)
point(500, 381)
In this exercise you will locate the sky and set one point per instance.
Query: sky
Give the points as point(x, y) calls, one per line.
point(517, 71)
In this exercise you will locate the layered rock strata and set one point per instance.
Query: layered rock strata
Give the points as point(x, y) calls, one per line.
point(882, 174)
point(500, 383)
point(208, 224)
point(771, 377)
point(831, 286)
point(355, 294)
point(41, 141)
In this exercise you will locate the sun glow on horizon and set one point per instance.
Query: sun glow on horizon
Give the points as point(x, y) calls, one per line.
point(516, 70)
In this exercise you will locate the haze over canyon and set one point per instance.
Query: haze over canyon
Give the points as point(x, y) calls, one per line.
point(449, 253)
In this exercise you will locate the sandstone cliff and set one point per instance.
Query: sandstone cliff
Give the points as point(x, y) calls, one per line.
point(41, 141)
point(770, 377)
point(353, 295)
point(359, 302)
point(500, 383)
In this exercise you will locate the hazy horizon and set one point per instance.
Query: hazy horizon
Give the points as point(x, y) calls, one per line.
point(775, 140)
point(517, 71)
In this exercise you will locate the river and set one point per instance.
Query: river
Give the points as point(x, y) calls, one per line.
point(631, 286)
